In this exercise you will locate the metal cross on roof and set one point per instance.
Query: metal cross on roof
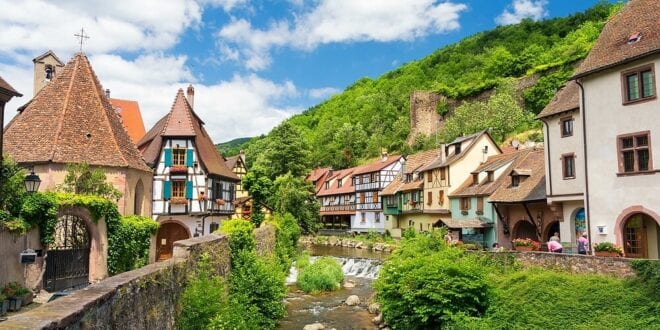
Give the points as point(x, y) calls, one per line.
point(82, 36)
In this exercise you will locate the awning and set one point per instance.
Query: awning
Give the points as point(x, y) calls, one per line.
point(463, 223)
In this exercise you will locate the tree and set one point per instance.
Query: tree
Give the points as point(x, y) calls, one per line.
point(259, 187)
point(12, 187)
point(351, 141)
point(285, 151)
point(82, 179)
point(296, 196)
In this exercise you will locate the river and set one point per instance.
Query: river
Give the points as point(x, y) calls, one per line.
point(360, 267)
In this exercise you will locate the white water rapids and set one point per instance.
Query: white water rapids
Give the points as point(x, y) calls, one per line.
point(358, 267)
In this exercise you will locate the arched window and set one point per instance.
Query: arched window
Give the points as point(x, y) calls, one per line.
point(50, 72)
point(139, 197)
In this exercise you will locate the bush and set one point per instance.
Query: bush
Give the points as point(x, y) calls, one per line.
point(648, 272)
point(303, 260)
point(131, 240)
point(323, 275)
point(202, 299)
point(234, 316)
point(288, 232)
point(241, 236)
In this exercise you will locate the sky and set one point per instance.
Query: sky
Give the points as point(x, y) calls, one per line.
point(252, 63)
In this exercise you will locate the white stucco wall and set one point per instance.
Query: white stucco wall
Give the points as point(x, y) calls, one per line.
point(557, 147)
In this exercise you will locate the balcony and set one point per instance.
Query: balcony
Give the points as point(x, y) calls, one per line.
point(338, 208)
point(369, 186)
point(369, 206)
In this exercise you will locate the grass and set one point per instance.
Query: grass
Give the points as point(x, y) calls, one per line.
point(323, 275)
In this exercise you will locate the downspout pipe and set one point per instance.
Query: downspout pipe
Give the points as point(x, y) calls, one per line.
point(586, 172)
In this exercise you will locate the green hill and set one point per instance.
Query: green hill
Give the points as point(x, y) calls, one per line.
point(233, 147)
point(374, 113)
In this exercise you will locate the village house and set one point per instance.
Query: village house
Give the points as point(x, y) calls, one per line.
point(619, 113)
point(445, 174)
point(369, 180)
point(193, 189)
point(337, 199)
point(520, 202)
point(404, 197)
point(564, 161)
point(130, 115)
point(472, 215)
point(70, 120)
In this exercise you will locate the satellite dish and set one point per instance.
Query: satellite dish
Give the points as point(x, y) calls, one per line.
point(515, 143)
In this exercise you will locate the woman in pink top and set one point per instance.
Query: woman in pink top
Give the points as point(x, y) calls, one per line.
point(554, 246)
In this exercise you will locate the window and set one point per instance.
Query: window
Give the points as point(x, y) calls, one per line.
point(515, 180)
point(339, 183)
point(635, 153)
point(638, 84)
point(465, 203)
point(442, 173)
point(568, 165)
point(327, 185)
point(441, 197)
point(480, 204)
point(475, 178)
point(409, 177)
point(491, 176)
point(374, 197)
point(179, 157)
point(567, 127)
point(179, 188)
point(49, 72)
point(457, 149)
point(362, 197)
point(430, 198)
point(377, 218)
point(363, 219)
point(429, 178)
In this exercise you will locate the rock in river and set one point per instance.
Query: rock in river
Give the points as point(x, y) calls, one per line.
point(352, 300)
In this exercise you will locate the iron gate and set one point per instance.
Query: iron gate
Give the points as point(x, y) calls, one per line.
point(67, 262)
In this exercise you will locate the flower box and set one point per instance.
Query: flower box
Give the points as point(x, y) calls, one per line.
point(178, 169)
point(526, 244)
point(220, 201)
point(178, 200)
point(607, 254)
point(607, 249)
point(524, 248)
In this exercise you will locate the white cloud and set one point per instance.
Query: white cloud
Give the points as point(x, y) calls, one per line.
point(323, 92)
point(337, 21)
point(523, 9)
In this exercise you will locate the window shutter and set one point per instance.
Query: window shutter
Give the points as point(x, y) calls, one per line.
point(168, 157)
point(167, 189)
point(429, 177)
point(189, 157)
point(430, 197)
point(189, 189)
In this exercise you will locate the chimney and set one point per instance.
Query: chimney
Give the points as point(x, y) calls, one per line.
point(241, 154)
point(191, 96)
point(107, 93)
point(383, 154)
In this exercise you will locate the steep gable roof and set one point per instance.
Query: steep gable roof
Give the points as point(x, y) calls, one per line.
point(485, 187)
point(6, 88)
point(566, 99)
point(473, 138)
point(613, 48)
point(183, 122)
point(71, 121)
point(532, 188)
point(129, 112)
point(413, 164)
point(46, 54)
point(334, 188)
point(376, 166)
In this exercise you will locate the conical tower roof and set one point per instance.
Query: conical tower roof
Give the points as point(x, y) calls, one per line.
point(71, 121)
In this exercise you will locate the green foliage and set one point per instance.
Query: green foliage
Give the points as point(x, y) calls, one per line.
point(285, 151)
point(258, 284)
point(203, 298)
point(234, 316)
point(12, 186)
point(259, 187)
point(82, 179)
point(241, 236)
point(294, 195)
point(540, 94)
point(233, 147)
point(325, 274)
point(648, 272)
point(426, 283)
point(349, 140)
point(287, 235)
point(303, 260)
point(130, 241)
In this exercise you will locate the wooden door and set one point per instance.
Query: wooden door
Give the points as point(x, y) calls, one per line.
point(634, 237)
point(168, 233)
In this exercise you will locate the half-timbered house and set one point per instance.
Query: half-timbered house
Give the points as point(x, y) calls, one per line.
point(369, 180)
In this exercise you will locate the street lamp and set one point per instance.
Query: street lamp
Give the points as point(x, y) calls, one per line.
point(32, 182)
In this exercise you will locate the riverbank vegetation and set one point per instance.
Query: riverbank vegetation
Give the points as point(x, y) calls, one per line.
point(324, 274)
point(427, 284)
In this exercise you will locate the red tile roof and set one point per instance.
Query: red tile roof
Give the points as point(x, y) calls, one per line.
point(71, 121)
point(473, 138)
point(129, 112)
point(566, 99)
point(413, 164)
point(376, 166)
point(346, 188)
point(612, 47)
point(177, 121)
point(531, 188)
point(318, 175)
point(484, 188)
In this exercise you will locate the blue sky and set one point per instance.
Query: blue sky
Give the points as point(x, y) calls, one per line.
point(253, 63)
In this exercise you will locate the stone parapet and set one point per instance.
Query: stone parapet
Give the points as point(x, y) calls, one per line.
point(573, 263)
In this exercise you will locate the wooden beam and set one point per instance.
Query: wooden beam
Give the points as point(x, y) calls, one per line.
point(505, 221)
point(536, 224)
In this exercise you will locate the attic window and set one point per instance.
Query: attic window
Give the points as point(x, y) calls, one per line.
point(635, 37)
point(457, 149)
point(339, 183)
point(475, 178)
point(327, 185)
point(409, 177)
point(515, 180)
point(491, 176)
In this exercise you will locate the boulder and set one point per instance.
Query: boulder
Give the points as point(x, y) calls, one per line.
point(378, 319)
point(373, 308)
point(359, 245)
point(352, 300)
point(349, 285)
point(314, 326)
point(332, 240)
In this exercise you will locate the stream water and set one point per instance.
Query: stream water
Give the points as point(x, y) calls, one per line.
point(360, 267)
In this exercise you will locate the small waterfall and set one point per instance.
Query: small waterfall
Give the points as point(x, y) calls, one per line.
point(358, 267)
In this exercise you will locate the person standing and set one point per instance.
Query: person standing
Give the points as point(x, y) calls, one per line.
point(555, 237)
point(583, 244)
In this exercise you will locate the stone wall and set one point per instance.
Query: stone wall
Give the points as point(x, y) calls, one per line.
point(573, 263)
point(144, 298)
point(424, 116)
point(265, 237)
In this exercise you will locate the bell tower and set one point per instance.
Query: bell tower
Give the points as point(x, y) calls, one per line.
point(46, 67)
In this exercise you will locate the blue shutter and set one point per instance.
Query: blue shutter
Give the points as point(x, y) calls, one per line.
point(168, 157)
point(189, 189)
point(189, 157)
point(167, 189)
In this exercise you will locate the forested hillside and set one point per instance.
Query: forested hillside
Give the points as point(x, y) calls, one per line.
point(233, 147)
point(374, 113)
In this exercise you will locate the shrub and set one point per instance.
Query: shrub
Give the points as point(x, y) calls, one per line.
point(131, 240)
point(287, 234)
point(241, 236)
point(303, 260)
point(323, 275)
point(648, 272)
point(608, 247)
point(234, 316)
point(203, 298)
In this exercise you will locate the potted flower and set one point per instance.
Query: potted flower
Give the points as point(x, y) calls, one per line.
point(220, 201)
point(178, 169)
point(525, 244)
point(15, 292)
point(178, 200)
point(4, 304)
point(607, 249)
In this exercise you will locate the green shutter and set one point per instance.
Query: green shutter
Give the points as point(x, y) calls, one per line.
point(189, 189)
point(167, 189)
point(189, 157)
point(168, 157)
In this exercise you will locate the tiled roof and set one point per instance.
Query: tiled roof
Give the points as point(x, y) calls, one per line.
point(413, 164)
point(318, 174)
point(151, 143)
point(6, 88)
point(71, 121)
point(531, 188)
point(346, 188)
point(612, 47)
point(376, 166)
point(393, 187)
point(484, 188)
point(231, 161)
point(464, 223)
point(473, 138)
point(129, 112)
point(567, 98)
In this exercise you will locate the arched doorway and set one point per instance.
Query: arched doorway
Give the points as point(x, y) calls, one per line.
point(138, 198)
point(640, 237)
point(552, 228)
point(579, 222)
point(524, 229)
point(168, 233)
point(67, 262)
